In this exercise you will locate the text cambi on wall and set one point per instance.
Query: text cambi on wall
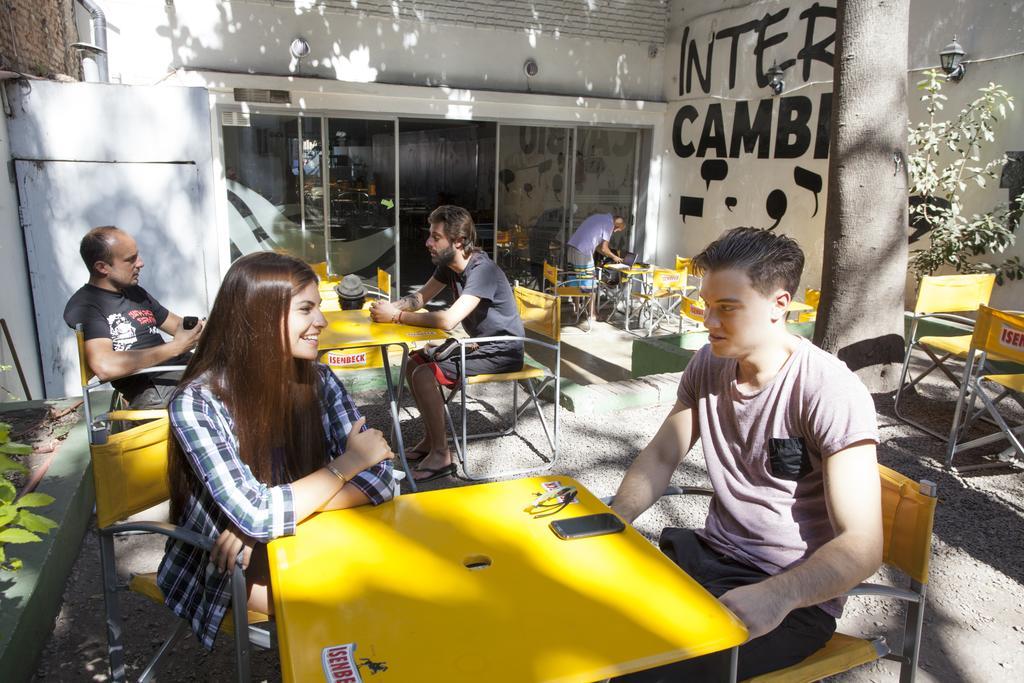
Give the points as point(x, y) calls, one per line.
point(741, 156)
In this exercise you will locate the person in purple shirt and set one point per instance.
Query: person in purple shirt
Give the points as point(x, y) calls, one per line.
point(592, 236)
point(788, 433)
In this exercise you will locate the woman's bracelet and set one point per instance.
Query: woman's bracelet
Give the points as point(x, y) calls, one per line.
point(338, 474)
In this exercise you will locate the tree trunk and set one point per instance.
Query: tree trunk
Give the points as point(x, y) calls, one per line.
point(865, 261)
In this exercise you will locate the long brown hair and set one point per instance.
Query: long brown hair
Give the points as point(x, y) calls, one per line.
point(457, 225)
point(246, 358)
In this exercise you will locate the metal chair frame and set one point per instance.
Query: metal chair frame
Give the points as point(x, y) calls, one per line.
point(583, 304)
point(461, 437)
point(967, 413)
point(939, 299)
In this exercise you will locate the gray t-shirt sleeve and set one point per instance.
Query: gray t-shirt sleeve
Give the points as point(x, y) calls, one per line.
point(689, 383)
point(443, 275)
point(482, 281)
point(841, 414)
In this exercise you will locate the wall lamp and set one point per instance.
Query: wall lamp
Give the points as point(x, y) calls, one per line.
point(299, 48)
point(952, 59)
point(776, 83)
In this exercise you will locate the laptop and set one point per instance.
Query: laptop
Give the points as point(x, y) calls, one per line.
point(628, 259)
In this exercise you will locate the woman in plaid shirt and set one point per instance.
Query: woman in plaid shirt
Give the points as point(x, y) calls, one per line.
point(263, 437)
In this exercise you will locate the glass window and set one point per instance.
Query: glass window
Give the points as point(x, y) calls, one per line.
point(261, 163)
point(604, 179)
point(443, 162)
point(533, 194)
point(361, 190)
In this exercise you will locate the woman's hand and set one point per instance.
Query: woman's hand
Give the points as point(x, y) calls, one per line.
point(227, 547)
point(383, 312)
point(363, 450)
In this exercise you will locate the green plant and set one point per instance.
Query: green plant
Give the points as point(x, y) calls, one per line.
point(945, 158)
point(18, 524)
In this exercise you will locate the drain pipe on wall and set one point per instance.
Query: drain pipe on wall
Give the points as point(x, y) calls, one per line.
point(98, 48)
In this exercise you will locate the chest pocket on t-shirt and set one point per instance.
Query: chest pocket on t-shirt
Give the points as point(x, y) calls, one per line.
point(788, 458)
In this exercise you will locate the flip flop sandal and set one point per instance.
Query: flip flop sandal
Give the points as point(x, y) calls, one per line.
point(439, 473)
point(412, 456)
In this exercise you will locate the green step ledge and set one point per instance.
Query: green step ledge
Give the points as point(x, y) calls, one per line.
point(30, 598)
point(672, 353)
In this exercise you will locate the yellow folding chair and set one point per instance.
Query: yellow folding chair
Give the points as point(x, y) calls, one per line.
point(320, 268)
point(541, 314)
point(691, 310)
point(129, 470)
point(997, 336)
point(577, 286)
point(383, 289)
point(130, 474)
point(665, 293)
point(940, 298)
point(908, 513)
point(90, 384)
point(812, 297)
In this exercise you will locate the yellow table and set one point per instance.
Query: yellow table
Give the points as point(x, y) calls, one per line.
point(390, 587)
point(366, 344)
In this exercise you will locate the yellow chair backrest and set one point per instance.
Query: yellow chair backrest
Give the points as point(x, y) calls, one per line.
point(999, 334)
point(550, 274)
point(907, 517)
point(692, 308)
point(539, 312)
point(130, 471)
point(384, 283)
point(83, 367)
point(669, 280)
point(953, 293)
point(320, 269)
point(683, 263)
point(812, 297)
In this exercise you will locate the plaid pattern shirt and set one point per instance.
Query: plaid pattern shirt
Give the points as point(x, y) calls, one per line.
point(192, 587)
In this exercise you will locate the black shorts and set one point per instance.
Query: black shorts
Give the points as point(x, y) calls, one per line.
point(486, 359)
point(802, 633)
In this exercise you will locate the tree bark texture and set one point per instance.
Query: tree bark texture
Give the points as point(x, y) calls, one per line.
point(865, 261)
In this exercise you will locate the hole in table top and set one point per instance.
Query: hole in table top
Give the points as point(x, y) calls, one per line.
point(476, 562)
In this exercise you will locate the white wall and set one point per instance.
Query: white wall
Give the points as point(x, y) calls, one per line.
point(989, 31)
point(14, 282)
point(148, 39)
point(992, 35)
point(91, 154)
point(708, 173)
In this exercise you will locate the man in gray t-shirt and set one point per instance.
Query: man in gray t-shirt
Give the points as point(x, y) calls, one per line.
point(788, 434)
point(486, 307)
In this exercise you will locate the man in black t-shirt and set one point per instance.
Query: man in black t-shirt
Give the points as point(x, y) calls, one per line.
point(122, 322)
point(484, 305)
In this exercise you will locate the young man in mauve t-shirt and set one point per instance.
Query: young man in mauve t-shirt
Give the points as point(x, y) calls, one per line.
point(788, 434)
point(485, 306)
point(122, 322)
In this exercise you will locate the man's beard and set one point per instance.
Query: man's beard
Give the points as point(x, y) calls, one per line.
point(443, 258)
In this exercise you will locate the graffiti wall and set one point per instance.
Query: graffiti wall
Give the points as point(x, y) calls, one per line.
point(736, 152)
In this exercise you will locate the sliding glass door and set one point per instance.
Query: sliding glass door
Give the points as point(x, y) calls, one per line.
point(360, 197)
point(326, 188)
point(533, 189)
